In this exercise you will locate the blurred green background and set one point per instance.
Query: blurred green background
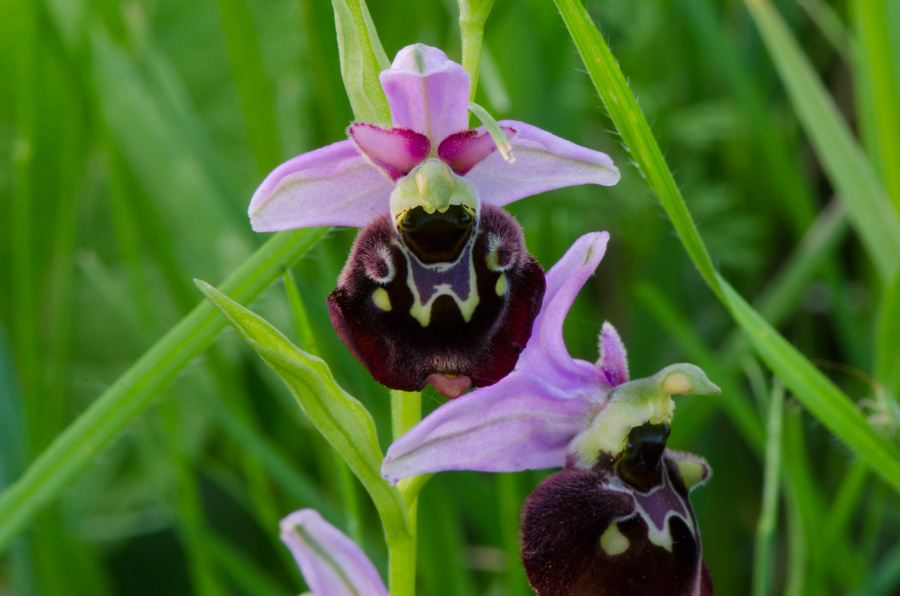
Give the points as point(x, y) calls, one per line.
point(132, 136)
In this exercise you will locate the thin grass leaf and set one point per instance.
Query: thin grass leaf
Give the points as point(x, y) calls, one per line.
point(887, 339)
point(620, 102)
point(190, 519)
point(869, 207)
point(23, 209)
point(829, 23)
point(768, 517)
point(774, 150)
point(93, 431)
point(816, 392)
point(164, 150)
point(257, 101)
point(873, 33)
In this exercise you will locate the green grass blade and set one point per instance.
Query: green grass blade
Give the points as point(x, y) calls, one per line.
point(829, 23)
point(249, 75)
point(816, 392)
point(868, 206)
point(768, 517)
point(774, 148)
point(112, 412)
point(873, 33)
point(190, 523)
point(887, 339)
point(620, 102)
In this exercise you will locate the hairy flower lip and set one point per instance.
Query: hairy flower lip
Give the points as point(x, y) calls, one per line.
point(349, 183)
point(552, 409)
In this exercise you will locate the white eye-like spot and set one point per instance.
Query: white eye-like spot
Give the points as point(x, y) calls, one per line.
point(381, 299)
point(380, 266)
point(499, 256)
point(613, 542)
point(500, 288)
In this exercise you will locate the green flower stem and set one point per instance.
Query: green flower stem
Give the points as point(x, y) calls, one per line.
point(132, 393)
point(406, 411)
point(472, 16)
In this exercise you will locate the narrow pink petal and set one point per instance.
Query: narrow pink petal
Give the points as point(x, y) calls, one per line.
point(519, 423)
point(613, 360)
point(462, 151)
point(396, 151)
point(546, 353)
point(427, 92)
point(331, 186)
point(332, 564)
point(543, 162)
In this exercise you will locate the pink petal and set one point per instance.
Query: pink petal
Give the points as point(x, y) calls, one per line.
point(546, 354)
point(519, 423)
point(332, 564)
point(427, 92)
point(543, 162)
point(331, 186)
point(462, 151)
point(613, 358)
point(396, 151)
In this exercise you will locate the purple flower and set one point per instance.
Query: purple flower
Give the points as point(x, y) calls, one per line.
point(331, 563)
point(349, 183)
point(616, 519)
point(439, 287)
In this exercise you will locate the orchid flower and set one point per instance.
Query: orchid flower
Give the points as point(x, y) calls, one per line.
point(331, 563)
point(616, 519)
point(439, 287)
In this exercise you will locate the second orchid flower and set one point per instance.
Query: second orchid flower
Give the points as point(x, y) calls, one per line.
point(616, 520)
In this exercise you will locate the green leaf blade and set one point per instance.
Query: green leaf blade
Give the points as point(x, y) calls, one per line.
point(868, 206)
point(344, 422)
point(819, 395)
point(362, 58)
point(610, 83)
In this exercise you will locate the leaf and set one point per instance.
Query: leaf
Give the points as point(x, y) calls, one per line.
point(362, 58)
point(821, 397)
point(343, 420)
point(610, 83)
point(868, 205)
point(888, 339)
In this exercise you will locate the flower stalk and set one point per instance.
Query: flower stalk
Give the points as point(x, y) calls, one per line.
point(406, 412)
